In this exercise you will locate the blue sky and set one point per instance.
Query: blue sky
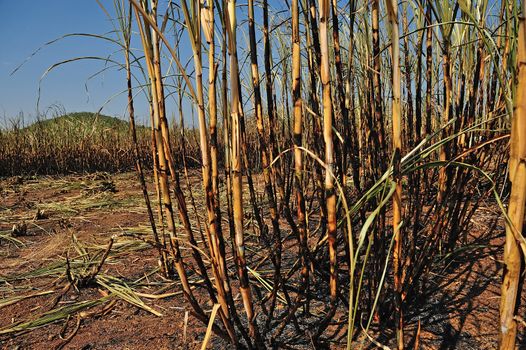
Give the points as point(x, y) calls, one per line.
point(25, 25)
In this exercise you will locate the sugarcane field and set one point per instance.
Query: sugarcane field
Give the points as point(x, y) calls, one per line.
point(263, 174)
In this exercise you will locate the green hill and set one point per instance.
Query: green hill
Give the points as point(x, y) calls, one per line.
point(81, 121)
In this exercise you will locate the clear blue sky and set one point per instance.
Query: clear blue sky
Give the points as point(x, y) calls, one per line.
point(25, 25)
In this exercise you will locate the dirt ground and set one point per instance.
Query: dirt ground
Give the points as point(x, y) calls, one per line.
point(73, 219)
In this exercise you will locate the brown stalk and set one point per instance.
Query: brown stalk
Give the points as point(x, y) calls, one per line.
point(298, 154)
point(151, 50)
point(392, 10)
point(510, 290)
point(265, 163)
point(138, 163)
point(330, 193)
point(236, 167)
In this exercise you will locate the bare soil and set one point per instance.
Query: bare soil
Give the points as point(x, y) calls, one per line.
point(458, 311)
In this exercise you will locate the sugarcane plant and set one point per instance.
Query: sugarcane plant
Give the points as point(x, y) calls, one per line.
point(343, 153)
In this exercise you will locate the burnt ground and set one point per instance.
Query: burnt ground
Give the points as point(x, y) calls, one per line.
point(74, 217)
